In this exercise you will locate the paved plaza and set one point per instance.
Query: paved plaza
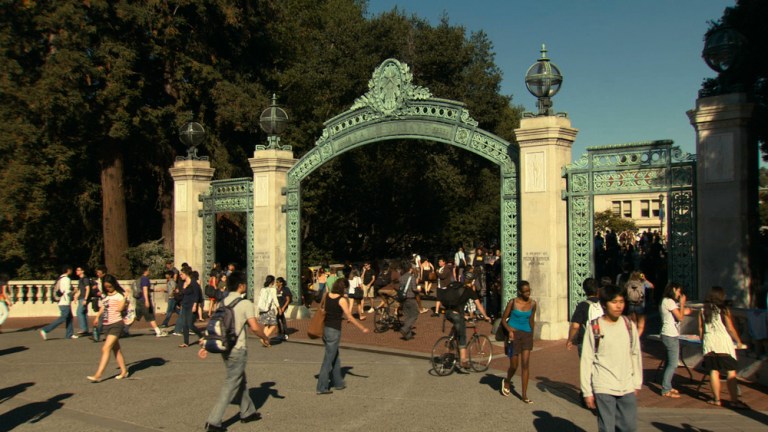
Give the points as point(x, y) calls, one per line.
point(389, 387)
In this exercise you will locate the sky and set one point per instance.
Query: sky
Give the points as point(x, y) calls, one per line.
point(631, 69)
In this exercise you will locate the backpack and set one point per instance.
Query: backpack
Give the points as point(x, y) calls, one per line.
point(401, 292)
point(57, 293)
point(595, 325)
point(136, 289)
point(595, 311)
point(635, 291)
point(451, 295)
point(210, 291)
point(220, 334)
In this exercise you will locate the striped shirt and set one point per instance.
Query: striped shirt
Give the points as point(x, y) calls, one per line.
point(111, 305)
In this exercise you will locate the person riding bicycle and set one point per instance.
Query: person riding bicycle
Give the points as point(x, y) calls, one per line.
point(454, 298)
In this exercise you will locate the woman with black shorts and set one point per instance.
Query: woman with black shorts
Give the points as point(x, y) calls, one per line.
point(111, 315)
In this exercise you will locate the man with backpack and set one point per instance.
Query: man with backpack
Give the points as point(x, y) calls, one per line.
point(454, 298)
point(585, 312)
point(231, 342)
point(63, 294)
point(406, 295)
point(610, 381)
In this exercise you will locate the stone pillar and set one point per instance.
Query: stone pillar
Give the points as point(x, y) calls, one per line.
point(270, 168)
point(545, 147)
point(190, 179)
point(726, 195)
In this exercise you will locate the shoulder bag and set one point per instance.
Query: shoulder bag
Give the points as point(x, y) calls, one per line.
point(317, 324)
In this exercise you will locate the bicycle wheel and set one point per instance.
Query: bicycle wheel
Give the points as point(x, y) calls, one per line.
point(380, 320)
point(480, 352)
point(444, 356)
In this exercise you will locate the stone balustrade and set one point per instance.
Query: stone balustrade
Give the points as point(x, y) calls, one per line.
point(34, 298)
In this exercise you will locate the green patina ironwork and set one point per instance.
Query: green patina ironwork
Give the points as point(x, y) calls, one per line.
point(230, 196)
point(395, 108)
point(656, 166)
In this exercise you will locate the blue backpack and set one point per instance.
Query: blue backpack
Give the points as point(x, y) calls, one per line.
point(221, 335)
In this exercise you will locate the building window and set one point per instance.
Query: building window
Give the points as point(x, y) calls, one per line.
point(645, 208)
point(627, 207)
point(616, 208)
point(656, 207)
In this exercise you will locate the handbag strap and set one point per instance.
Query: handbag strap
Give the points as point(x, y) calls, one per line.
point(322, 303)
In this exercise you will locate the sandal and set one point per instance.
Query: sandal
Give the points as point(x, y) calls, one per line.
point(183, 346)
point(671, 394)
point(122, 376)
point(93, 379)
point(715, 402)
point(504, 387)
point(526, 400)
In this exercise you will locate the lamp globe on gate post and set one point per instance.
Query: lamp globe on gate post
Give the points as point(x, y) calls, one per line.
point(273, 121)
point(543, 80)
point(724, 52)
point(192, 135)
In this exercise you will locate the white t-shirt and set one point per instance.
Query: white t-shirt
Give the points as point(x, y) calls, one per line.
point(354, 283)
point(669, 325)
point(64, 284)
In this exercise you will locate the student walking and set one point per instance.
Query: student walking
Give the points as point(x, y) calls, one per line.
point(110, 315)
point(611, 371)
point(671, 316)
point(63, 289)
point(336, 307)
point(189, 304)
point(519, 320)
point(235, 386)
point(717, 334)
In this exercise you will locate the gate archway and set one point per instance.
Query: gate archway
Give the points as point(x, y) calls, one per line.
point(395, 108)
point(657, 166)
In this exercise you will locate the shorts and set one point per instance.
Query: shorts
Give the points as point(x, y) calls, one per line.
point(114, 329)
point(142, 311)
point(523, 341)
point(367, 291)
point(268, 318)
point(637, 308)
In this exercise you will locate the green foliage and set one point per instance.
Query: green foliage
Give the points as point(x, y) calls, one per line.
point(607, 220)
point(151, 253)
point(88, 84)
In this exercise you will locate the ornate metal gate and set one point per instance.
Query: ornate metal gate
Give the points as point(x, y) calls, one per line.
point(394, 108)
point(655, 166)
point(232, 196)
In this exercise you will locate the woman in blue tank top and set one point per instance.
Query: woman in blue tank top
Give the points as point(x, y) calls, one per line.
point(518, 320)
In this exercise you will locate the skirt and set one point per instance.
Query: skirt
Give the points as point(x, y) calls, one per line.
point(718, 362)
point(268, 318)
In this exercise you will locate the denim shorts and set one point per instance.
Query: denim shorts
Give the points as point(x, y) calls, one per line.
point(637, 308)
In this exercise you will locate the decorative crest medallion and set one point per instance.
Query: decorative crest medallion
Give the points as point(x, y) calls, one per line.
point(390, 88)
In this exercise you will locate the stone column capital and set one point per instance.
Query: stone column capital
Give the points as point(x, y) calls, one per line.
point(731, 110)
point(192, 170)
point(545, 130)
point(270, 160)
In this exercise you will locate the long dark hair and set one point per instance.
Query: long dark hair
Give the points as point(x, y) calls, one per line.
point(113, 281)
point(269, 281)
point(669, 291)
point(714, 302)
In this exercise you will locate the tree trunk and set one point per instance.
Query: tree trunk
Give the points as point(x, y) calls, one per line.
point(114, 218)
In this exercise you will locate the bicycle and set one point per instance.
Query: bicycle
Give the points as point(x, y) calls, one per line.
point(383, 319)
point(445, 353)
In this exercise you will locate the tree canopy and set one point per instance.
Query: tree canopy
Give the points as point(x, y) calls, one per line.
point(93, 93)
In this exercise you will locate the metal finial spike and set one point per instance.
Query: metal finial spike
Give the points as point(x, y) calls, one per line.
point(274, 99)
point(543, 52)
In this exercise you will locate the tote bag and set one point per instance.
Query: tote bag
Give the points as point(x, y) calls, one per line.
point(316, 325)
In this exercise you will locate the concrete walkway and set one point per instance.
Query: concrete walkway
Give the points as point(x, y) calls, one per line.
point(390, 387)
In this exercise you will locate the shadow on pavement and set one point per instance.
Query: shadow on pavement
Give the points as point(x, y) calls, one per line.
point(546, 422)
point(563, 390)
point(32, 412)
point(663, 427)
point(11, 392)
point(259, 395)
point(12, 350)
point(145, 364)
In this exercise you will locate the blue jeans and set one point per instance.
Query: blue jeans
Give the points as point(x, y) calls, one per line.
point(330, 371)
point(616, 413)
point(672, 343)
point(169, 311)
point(235, 387)
point(64, 317)
point(458, 323)
point(82, 315)
point(188, 320)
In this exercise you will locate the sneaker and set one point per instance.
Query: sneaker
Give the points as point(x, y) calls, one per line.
point(43, 334)
point(161, 334)
point(285, 337)
point(212, 428)
point(74, 336)
point(176, 334)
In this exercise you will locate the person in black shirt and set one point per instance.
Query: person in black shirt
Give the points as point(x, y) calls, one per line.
point(455, 314)
point(284, 297)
